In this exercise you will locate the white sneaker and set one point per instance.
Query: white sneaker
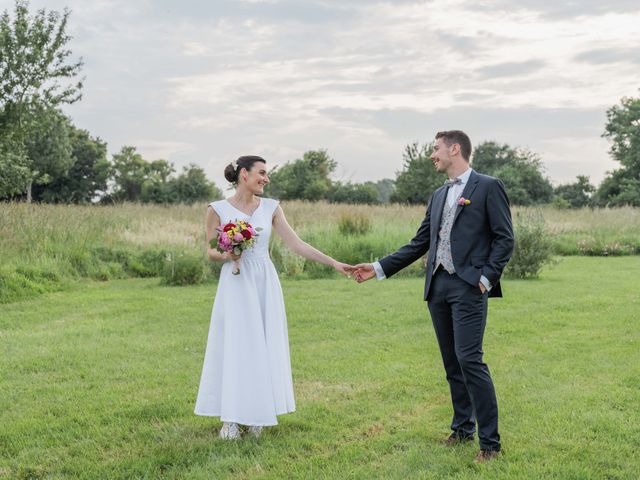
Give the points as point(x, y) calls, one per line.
point(255, 430)
point(230, 431)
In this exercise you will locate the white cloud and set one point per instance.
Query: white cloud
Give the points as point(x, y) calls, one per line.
point(205, 82)
point(157, 149)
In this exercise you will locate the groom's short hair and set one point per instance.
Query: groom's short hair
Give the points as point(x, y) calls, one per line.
point(457, 136)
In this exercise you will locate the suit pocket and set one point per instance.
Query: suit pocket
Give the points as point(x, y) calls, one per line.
point(478, 261)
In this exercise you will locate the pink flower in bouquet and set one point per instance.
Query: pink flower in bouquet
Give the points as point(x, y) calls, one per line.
point(463, 201)
point(225, 242)
point(235, 237)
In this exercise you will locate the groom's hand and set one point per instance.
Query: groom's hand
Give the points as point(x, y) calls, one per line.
point(364, 272)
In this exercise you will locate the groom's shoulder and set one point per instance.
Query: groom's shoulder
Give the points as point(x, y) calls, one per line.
point(484, 178)
point(488, 179)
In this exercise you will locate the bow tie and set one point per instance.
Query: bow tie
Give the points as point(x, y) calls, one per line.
point(451, 183)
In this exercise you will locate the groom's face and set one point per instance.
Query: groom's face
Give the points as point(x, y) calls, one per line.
point(441, 155)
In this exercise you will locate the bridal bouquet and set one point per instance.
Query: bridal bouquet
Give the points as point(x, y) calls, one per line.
point(235, 237)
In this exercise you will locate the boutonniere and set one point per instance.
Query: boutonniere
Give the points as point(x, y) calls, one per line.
point(463, 201)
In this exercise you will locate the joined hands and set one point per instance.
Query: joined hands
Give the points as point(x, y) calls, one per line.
point(343, 268)
point(361, 272)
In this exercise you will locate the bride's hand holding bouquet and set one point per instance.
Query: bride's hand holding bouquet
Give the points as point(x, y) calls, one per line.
point(233, 238)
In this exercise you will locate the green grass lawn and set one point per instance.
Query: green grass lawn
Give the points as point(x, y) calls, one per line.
point(99, 381)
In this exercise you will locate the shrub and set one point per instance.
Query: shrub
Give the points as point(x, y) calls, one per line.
point(533, 246)
point(149, 263)
point(121, 254)
point(354, 223)
point(108, 271)
point(183, 269)
point(39, 275)
point(26, 282)
point(560, 203)
point(287, 263)
point(81, 262)
point(131, 261)
point(212, 270)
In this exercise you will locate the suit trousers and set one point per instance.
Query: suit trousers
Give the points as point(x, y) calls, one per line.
point(459, 314)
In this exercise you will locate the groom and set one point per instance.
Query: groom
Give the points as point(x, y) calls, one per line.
point(468, 233)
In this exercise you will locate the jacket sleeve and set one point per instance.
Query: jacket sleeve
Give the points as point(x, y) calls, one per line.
point(499, 215)
point(412, 251)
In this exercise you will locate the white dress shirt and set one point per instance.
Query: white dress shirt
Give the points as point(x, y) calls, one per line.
point(456, 190)
point(452, 197)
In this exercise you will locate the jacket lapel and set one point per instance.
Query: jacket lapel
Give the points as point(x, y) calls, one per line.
point(466, 193)
point(438, 205)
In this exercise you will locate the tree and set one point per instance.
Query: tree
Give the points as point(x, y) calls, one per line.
point(622, 186)
point(303, 179)
point(34, 61)
point(136, 179)
point(353, 193)
point(14, 167)
point(87, 176)
point(619, 188)
point(155, 188)
point(192, 186)
point(385, 188)
point(623, 130)
point(519, 169)
point(129, 172)
point(578, 194)
point(34, 58)
point(418, 178)
point(47, 143)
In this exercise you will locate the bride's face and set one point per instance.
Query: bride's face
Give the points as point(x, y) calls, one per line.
point(256, 178)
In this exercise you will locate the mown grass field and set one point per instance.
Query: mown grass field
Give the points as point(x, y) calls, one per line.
point(99, 382)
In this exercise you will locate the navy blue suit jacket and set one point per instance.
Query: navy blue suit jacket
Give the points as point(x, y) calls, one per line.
point(481, 237)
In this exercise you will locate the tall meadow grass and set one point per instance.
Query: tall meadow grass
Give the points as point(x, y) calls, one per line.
point(41, 246)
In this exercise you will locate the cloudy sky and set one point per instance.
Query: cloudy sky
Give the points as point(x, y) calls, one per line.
point(205, 81)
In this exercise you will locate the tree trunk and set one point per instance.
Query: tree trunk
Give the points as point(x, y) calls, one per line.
point(29, 185)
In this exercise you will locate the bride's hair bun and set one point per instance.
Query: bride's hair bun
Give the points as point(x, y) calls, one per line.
point(231, 173)
point(232, 170)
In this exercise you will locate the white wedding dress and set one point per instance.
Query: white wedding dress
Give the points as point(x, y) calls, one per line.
point(246, 377)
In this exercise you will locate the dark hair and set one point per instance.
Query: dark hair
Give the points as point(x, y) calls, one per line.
point(457, 136)
point(233, 169)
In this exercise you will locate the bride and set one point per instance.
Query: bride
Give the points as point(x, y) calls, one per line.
point(246, 377)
